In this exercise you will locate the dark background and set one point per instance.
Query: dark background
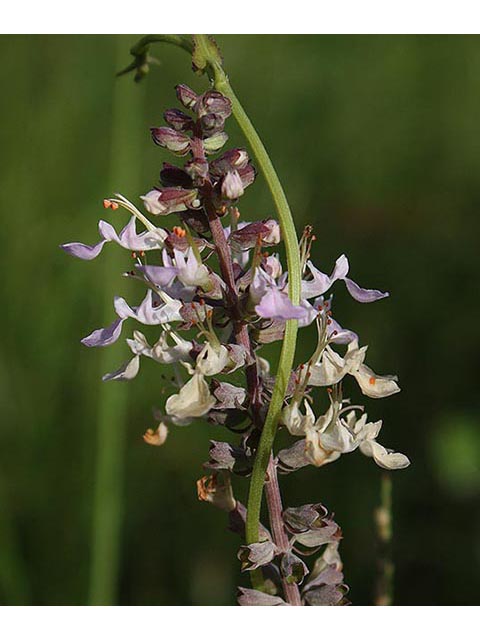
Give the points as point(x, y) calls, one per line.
point(377, 142)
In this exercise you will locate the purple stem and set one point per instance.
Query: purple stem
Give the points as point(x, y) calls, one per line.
point(280, 538)
point(242, 337)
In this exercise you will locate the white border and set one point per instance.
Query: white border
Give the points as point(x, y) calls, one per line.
point(241, 16)
point(235, 623)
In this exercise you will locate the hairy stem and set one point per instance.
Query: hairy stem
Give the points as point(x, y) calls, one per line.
point(274, 502)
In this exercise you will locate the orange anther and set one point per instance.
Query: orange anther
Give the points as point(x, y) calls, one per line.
point(179, 232)
point(114, 205)
point(107, 204)
point(372, 380)
point(134, 255)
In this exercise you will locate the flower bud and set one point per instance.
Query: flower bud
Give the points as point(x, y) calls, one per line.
point(212, 123)
point(215, 143)
point(170, 200)
point(187, 96)
point(256, 555)
point(273, 236)
point(197, 168)
point(178, 120)
point(213, 102)
point(231, 159)
point(232, 187)
point(293, 568)
point(248, 175)
point(171, 139)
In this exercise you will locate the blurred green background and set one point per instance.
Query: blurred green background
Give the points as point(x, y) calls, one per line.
point(377, 141)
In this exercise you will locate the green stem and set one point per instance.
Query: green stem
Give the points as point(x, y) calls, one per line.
point(206, 57)
point(113, 400)
point(222, 84)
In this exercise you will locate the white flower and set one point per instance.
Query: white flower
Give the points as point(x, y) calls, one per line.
point(273, 236)
point(331, 368)
point(384, 458)
point(336, 432)
point(162, 351)
point(232, 186)
point(147, 312)
point(190, 271)
point(295, 421)
point(212, 359)
point(192, 401)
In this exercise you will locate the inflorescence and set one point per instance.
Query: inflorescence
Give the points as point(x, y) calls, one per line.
point(218, 294)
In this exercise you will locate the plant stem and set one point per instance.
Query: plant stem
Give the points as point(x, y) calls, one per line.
point(383, 522)
point(274, 502)
point(222, 84)
point(113, 399)
point(206, 57)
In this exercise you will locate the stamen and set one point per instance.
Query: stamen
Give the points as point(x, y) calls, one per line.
point(179, 232)
point(372, 380)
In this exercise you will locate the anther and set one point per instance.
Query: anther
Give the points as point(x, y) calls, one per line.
point(114, 205)
point(107, 204)
point(134, 255)
point(372, 380)
point(179, 232)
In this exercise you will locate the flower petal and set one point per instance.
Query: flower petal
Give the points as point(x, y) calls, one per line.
point(159, 276)
point(384, 458)
point(363, 295)
point(192, 401)
point(340, 269)
point(277, 305)
point(106, 336)
point(319, 284)
point(373, 385)
point(126, 372)
point(83, 251)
